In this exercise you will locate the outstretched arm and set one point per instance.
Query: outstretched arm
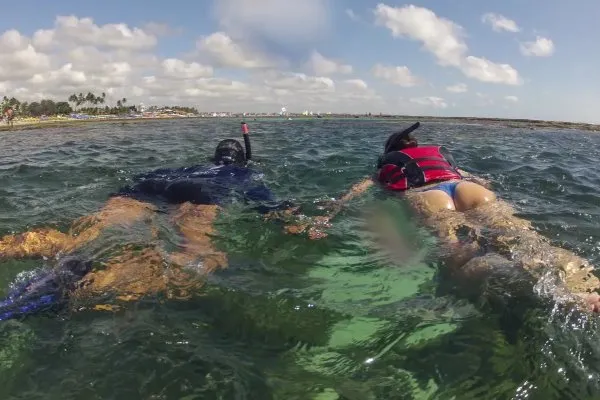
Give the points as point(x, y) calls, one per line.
point(316, 225)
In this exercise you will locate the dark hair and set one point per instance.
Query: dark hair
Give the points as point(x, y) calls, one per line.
point(402, 139)
point(403, 143)
point(229, 151)
point(399, 141)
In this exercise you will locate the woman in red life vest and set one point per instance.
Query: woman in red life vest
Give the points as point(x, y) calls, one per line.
point(485, 236)
point(427, 175)
point(431, 171)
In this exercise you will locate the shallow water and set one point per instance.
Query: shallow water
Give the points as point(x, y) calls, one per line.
point(294, 319)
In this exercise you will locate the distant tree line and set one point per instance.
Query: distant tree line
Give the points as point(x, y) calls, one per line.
point(80, 103)
point(178, 109)
point(90, 104)
point(36, 109)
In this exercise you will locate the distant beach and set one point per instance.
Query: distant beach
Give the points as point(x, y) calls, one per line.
point(57, 122)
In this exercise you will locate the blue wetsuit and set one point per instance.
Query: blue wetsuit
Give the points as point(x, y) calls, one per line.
point(203, 185)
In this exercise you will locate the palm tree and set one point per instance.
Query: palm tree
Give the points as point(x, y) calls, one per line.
point(89, 98)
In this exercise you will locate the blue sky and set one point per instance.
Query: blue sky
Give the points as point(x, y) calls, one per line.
point(257, 55)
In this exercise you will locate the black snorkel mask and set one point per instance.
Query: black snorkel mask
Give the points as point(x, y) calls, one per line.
point(230, 151)
point(393, 140)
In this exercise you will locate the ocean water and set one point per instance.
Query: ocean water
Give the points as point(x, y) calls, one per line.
point(293, 318)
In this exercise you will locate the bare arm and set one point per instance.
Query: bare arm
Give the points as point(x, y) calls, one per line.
point(316, 225)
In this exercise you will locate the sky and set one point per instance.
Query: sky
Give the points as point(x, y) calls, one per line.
point(511, 59)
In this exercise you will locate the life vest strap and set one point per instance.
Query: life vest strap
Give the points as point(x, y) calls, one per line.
point(402, 174)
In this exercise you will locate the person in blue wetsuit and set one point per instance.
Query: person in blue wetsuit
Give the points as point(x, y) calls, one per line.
point(192, 195)
point(228, 179)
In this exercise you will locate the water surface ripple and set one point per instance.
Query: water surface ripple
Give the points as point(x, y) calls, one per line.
point(293, 319)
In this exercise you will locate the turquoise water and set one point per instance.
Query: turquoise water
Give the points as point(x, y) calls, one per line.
point(294, 319)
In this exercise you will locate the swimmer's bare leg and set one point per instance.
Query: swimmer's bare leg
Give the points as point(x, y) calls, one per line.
point(44, 242)
point(118, 210)
point(195, 222)
point(136, 273)
point(515, 237)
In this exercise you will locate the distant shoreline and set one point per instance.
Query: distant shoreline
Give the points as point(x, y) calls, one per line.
point(510, 123)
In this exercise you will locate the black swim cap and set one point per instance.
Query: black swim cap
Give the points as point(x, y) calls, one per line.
point(229, 151)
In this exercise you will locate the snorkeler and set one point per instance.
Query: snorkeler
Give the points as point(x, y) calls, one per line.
point(193, 196)
point(480, 235)
point(427, 172)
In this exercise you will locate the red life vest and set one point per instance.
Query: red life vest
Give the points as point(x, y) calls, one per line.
point(417, 166)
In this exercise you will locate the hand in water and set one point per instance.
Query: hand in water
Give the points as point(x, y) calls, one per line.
point(315, 226)
point(283, 215)
point(592, 301)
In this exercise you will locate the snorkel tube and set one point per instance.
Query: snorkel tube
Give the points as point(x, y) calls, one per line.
point(393, 140)
point(395, 137)
point(246, 135)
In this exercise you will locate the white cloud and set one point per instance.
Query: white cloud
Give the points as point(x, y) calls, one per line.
point(541, 47)
point(298, 82)
point(12, 40)
point(225, 52)
point(179, 69)
point(500, 22)
point(458, 88)
point(83, 31)
point(321, 65)
point(357, 84)
point(444, 39)
point(439, 36)
point(397, 75)
point(513, 99)
point(75, 54)
point(23, 63)
point(487, 71)
point(135, 72)
point(351, 14)
point(430, 101)
point(64, 76)
point(282, 21)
